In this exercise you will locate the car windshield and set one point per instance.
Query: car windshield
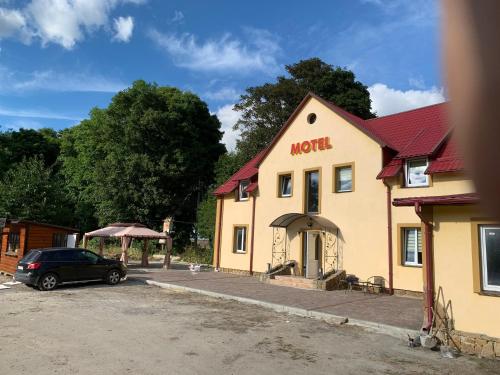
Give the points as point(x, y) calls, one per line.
point(31, 256)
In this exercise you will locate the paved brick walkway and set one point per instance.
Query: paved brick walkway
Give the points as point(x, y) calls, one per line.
point(391, 310)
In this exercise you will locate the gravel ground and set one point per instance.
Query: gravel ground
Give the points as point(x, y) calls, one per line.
point(137, 329)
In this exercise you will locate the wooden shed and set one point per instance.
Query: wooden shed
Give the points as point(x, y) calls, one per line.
point(18, 237)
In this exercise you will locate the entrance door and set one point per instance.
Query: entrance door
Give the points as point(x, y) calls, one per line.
point(312, 253)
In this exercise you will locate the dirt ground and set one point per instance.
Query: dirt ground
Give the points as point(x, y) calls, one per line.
point(137, 329)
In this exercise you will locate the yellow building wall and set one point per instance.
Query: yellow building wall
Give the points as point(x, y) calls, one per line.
point(408, 277)
point(472, 312)
point(235, 213)
point(360, 215)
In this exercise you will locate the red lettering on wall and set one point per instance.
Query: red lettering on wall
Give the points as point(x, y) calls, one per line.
point(317, 144)
point(306, 147)
point(296, 149)
point(327, 142)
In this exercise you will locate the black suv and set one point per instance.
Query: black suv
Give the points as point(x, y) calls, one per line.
point(47, 268)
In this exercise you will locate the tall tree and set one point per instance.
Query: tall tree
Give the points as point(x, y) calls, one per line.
point(27, 143)
point(145, 157)
point(30, 190)
point(264, 109)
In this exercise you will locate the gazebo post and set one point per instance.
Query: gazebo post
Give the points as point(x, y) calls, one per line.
point(125, 246)
point(168, 246)
point(145, 254)
point(85, 241)
point(101, 246)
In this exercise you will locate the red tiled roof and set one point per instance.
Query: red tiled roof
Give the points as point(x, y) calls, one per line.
point(392, 169)
point(468, 198)
point(415, 132)
point(447, 159)
point(419, 132)
point(252, 187)
point(248, 171)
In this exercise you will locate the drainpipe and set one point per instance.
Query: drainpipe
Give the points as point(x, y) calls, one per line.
point(389, 237)
point(253, 234)
point(219, 233)
point(429, 269)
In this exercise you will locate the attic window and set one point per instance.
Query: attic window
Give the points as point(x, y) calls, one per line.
point(242, 190)
point(415, 173)
point(311, 118)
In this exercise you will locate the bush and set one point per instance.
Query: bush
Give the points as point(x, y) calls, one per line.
point(112, 248)
point(196, 254)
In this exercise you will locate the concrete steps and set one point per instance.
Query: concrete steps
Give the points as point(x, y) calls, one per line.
point(294, 282)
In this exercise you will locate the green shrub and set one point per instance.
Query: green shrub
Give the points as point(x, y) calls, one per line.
point(196, 254)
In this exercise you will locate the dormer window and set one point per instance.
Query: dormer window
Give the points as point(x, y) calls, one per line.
point(242, 190)
point(415, 173)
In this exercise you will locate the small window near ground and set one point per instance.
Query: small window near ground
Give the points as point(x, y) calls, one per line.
point(415, 173)
point(59, 240)
point(240, 239)
point(285, 185)
point(242, 190)
point(490, 257)
point(343, 179)
point(412, 246)
point(14, 244)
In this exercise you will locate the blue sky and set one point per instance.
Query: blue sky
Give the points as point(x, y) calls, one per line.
point(60, 58)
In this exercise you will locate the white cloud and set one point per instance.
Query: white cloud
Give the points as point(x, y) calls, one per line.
point(178, 17)
point(11, 81)
point(36, 113)
point(223, 94)
point(64, 22)
point(12, 23)
point(21, 123)
point(228, 117)
point(124, 26)
point(386, 100)
point(221, 55)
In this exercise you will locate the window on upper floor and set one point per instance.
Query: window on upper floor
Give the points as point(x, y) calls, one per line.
point(312, 192)
point(285, 185)
point(242, 190)
point(415, 173)
point(343, 178)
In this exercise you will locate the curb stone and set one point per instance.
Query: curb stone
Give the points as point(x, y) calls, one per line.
point(397, 332)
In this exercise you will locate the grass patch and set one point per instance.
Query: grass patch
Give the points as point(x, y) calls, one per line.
point(196, 254)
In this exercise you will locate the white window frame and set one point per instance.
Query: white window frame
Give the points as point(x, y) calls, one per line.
point(407, 174)
point(241, 190)
point(415, 250)
point(281, 179)
point(237, 229)
point(484, 262)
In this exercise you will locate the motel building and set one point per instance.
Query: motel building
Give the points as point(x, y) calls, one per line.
point(384, 199)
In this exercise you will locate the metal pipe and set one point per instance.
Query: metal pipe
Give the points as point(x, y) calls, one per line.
point(389, 238)
point(253, 234)
point(429, 268)
point(219, 231)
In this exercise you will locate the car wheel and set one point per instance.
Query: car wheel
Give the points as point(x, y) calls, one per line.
point(48, 282)
point(113, 277)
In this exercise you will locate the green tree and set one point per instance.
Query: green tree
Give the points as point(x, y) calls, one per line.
point(27, 143)
point(143, 158)
point(264, 109)
point(30, 190)
point(226, 166)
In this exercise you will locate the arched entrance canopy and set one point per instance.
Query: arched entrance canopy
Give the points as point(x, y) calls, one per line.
point(284, 221)
point(281, 245)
